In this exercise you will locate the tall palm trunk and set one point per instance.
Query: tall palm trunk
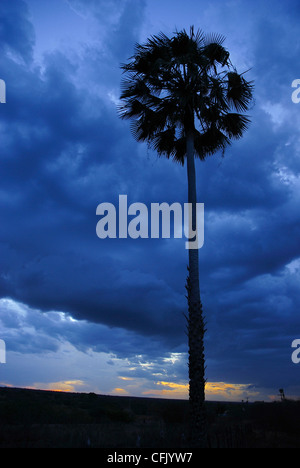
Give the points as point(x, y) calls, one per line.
point(195, 319)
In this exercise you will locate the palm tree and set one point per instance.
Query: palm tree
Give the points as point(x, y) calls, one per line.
point(185, 99)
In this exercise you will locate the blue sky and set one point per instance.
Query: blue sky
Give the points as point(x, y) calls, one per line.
point(84, 314)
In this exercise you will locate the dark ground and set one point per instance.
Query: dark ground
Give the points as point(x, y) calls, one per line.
point(46, 419)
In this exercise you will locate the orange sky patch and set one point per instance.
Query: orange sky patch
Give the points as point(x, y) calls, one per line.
point(62, 386)
point(213, 390)
point(119, 391)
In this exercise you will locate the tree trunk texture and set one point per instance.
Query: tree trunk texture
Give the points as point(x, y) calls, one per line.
point(196, 327)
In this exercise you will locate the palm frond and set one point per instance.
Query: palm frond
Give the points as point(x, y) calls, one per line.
point(239, 91)
point(214, 38)
point(233, 124)
point(216, 53)
point(210, 142)
point(163, 142)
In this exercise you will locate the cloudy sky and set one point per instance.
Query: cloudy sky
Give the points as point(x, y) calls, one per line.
point(79, 313)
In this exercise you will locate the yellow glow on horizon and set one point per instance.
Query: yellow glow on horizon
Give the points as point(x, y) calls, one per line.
point(174, 385)
point(230, 391)
point(62, 386)
point(173, 390)
point(119, 391)
point(213, 390)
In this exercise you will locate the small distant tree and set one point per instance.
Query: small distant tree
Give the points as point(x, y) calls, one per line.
point(281, 394)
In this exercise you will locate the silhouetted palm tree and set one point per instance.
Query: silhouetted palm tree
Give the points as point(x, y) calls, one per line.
point(185, 99)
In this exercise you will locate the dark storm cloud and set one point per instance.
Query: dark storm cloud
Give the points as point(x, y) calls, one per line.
point(16, 33)
point(60, 161)
point(254, 324)
point(127, 29)
point(64, 151)
point(27, 331)
point(118, 23)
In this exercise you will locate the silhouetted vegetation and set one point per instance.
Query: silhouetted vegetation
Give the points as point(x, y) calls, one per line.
point(36, 418)
point(186, 100)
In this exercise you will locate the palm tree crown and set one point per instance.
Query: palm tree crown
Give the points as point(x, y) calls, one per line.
point(184, 83)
